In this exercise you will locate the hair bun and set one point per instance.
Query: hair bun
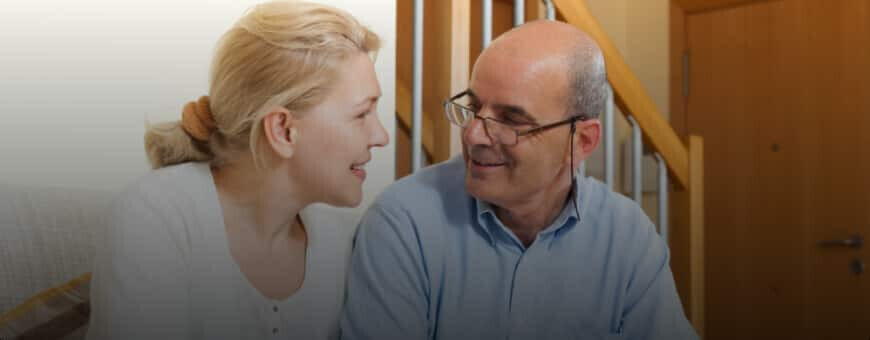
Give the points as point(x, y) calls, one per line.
point(197, 120)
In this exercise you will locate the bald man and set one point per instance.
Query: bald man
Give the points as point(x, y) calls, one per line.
point(504, 242)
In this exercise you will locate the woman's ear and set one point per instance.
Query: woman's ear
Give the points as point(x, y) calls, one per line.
point(279, 127)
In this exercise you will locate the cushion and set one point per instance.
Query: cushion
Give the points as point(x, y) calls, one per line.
point(57, 313)
point(48, 237)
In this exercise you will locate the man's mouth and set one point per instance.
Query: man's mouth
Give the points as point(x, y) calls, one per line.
point(487, 164)
point(484, 160)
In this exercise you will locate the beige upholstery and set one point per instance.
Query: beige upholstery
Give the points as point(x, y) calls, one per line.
point(47, 237)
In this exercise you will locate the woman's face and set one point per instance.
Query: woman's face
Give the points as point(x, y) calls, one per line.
point(334, 137)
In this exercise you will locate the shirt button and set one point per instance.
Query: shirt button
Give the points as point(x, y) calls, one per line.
point(274, 331)
point(275, 309)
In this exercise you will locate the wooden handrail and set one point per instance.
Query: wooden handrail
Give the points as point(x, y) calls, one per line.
point(630, 95)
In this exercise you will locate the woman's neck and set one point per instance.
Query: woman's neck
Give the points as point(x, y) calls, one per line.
point(265, 201)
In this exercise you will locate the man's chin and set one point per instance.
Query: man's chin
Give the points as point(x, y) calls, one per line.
point(480, 188)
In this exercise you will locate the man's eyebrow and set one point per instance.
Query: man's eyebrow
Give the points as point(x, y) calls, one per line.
point(472, 95)
point(516, 111)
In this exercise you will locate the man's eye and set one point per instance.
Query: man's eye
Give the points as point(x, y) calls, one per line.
point(510, 120)
point(363, 114)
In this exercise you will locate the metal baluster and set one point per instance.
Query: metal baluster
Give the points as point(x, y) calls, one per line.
point(417, 90)
point(519, 12)
point(486, 22)
point(551, 10)
point(636, 160)
point(663, 196)
point(608, 140)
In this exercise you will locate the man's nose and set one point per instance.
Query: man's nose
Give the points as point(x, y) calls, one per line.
point(475, 132)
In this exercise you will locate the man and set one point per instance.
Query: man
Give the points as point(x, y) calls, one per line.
point(516, 250)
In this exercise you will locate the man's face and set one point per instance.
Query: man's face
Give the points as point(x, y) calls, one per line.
point(525, 94)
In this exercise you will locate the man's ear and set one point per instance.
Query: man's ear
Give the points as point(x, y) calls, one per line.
point(587, 135)
point(279, 127)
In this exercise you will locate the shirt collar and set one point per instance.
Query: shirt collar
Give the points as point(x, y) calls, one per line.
point(491, 226)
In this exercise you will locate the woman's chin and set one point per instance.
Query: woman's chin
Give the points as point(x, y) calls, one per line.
point(347, 199)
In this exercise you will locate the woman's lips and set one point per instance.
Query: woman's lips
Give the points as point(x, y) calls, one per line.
point(359, 173)
point(359, 170)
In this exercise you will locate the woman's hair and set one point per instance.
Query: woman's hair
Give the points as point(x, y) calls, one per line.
point(280, 53)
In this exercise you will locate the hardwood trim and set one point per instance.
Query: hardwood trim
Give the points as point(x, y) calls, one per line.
point(460, 67)
point(535, 10)
point(687, 237)
point(696, 231)
point(631, 97)
point(695, 6)
point(403, 112)
point(678, 47)
point(445, 72)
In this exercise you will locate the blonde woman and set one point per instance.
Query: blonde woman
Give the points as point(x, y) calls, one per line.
point(218, 242)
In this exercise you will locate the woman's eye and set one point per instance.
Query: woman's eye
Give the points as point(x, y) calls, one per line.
point(363, 115)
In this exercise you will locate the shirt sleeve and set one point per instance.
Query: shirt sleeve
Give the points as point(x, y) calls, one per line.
point(140, 288)
point(654, 310)
point(387, 295)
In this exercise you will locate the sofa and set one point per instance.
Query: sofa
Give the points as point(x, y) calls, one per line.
point(47, 243)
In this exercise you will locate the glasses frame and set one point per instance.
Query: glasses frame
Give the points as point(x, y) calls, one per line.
point(451, 102)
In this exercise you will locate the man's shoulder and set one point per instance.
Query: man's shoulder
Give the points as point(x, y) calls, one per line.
point(625, 233)
point(613, 212)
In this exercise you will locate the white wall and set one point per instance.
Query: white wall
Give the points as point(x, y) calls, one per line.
point(78, 79)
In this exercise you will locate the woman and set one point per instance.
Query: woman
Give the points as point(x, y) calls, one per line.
point(217, 242)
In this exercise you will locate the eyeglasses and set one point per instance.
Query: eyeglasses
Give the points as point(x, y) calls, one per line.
point(499, 131)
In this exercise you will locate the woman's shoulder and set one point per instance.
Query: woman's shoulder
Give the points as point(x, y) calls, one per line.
point(153, 221)
point(169, 184)
point(161, 200)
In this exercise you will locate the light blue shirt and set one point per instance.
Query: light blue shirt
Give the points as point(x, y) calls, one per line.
point(432, 262)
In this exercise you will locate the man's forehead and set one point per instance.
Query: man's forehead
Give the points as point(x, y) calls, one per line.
point(507, 106)
point(519, 84)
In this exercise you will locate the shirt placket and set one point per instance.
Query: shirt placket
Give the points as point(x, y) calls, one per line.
point(523, 294)
point(273, 318)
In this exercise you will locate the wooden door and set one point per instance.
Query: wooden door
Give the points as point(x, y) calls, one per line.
point(780, 92)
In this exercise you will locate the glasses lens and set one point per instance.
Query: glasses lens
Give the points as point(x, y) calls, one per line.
point(457, 114)
point(500, 133)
